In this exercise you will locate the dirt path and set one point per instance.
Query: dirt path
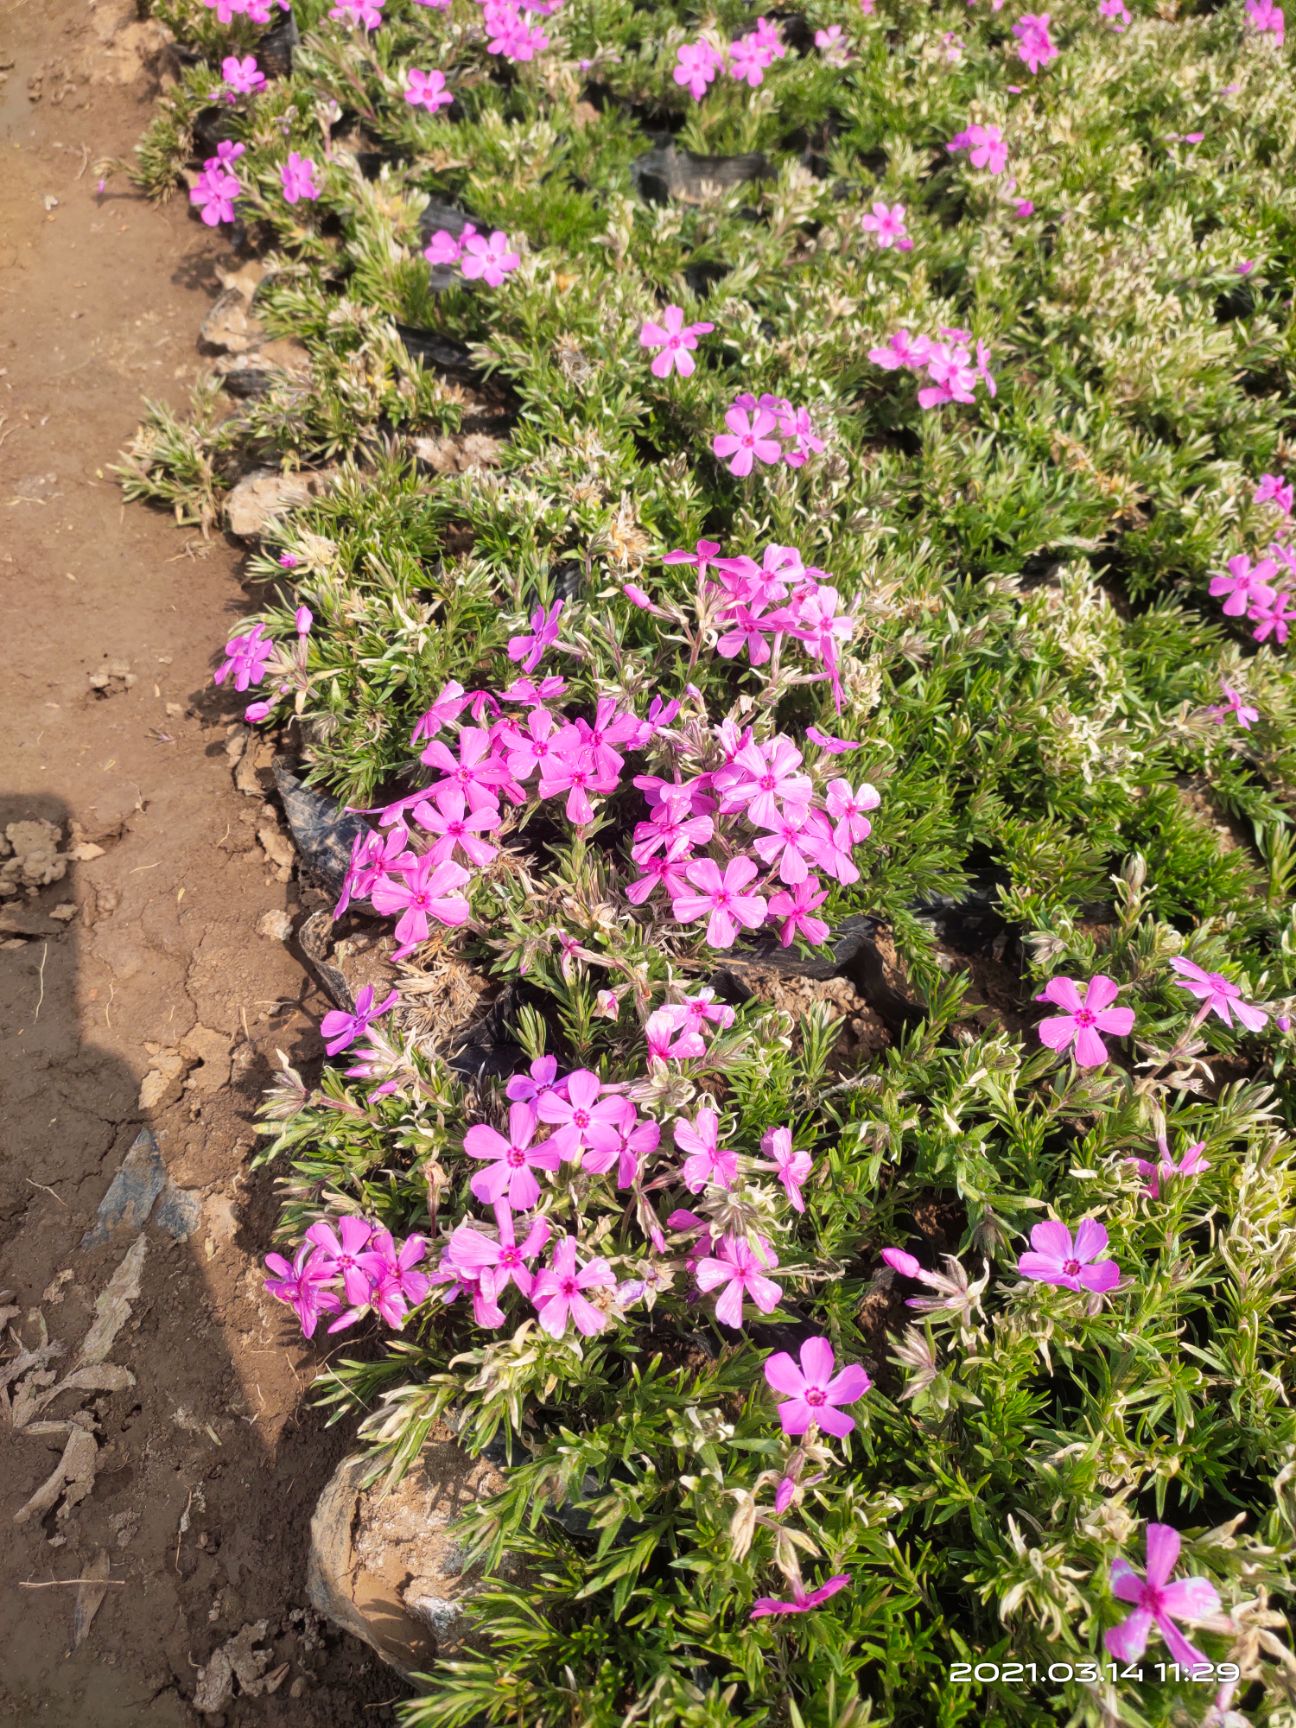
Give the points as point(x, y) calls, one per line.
point(193, 1464)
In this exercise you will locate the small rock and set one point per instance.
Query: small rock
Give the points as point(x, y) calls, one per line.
point(210, 1050)
point(65, 911)
point(277, 925)
point(31, 856)
point(230, 327)
point(161, 1085)
point(278, 848)
point(265, 493)
point(457, 455)
point(384, 1564)
point(85, 852)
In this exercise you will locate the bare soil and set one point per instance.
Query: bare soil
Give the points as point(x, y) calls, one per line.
point(141, 987)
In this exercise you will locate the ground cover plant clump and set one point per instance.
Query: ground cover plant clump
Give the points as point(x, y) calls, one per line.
point(891, 532)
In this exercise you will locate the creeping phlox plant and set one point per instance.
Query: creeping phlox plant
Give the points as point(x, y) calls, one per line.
point(828, 1128)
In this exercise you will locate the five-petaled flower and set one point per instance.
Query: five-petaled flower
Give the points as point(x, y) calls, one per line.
point(813, 1392)
point(1055, 1258)
point(1217, 994)
point(1157, 1602)
point(675, 339)
point(1085, 1016)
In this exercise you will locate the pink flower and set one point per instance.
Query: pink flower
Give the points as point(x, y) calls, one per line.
point(491, 259)
point(1056, 1259)
point(558, 1291)
point(742, 1271)
point(707, 1162)
point(365, 12)
point(676, 339)
point(792, 1166)
point(1084, 1018)
point(476, 770)
point(1271, 617)
point(585, 1119)
point(1273, 489)
point(498, 1263)
point(530, 650)
point(796, 910)
point(1234, 704)
point(542, 1077)
point(985, 146)
point(1117, 11)
point(422, 891)
point(1245, 585)
point(1264, 16)
point(340, 1029)
point(802, 1601)
point(343, 1258)
point(298, 177)
point(512, 1161)
point(721, 899)
point(214, 193)
point(245, 657)
point(427, 90)
point(764, 779)
point(832, 44)
point(1217, 994)
point(813, 1392)
point(1035, 46)
point(1192, 1163)
point(887, 226)
point(830, 745)
point(901, 351)
point(698, 63)
point(301, 1286)
point(455, 825)
point(748, 440)
point(243, 76)
point(396, 1286)
point(846, 805)
point(1157, 1602)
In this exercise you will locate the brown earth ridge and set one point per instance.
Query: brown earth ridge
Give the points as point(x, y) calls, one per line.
point(155, 1437)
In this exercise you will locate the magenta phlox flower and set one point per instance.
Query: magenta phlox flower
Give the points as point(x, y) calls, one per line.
point(832, 44)
point(559, 1291)
point(302, 1285)
point(793, 1166)
point(242, 75)
point(1035, 44)
point(530, 649)
point(830, 745)
point(1236, 706)
point(1273, 489)
point(847, 805)
point(475, 769)
point(541, 1077)
point(794, 910)
point(445, 709)
point(427, 90)
point(372, 856)
point(802, 1600)
point(366, 13)
point(696, 66)
point(1084, 1017)
point(570, 767)
point(748, 60)
point(721, 898)
point(245, 657)
point(456, 826)
point(502, 1260)
point(743, 1271)
point(340, 1255)
point(508, 33)
point(812, 1391)
point(298, 178)
point(586, 1119)
point(1192, 1163)
point(340, 1029)
point(707, 1163)
point(782, 846)
point(490, 258)
point(675, 339)
point(420, 893)
point(985, 147)
point(901, 351)
point(397, 1285)
point(445, 248)
point(1217, 994)
point(214, 192)
point(765, 780)
point(748, 440)
point(1117, 11)
point(1054, 1258)
point(1265, 17)
point(1245, 584)
point(701, 558)
point(662, 872)
point(1159, 1603)
point(638, 1137)
point(886, 223)
point(953, 376)
point(1272, 617)
point(511, 1162)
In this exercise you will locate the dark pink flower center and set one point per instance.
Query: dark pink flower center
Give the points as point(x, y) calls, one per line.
point(511, 1257)
point(1071, 1268)
point(815, 1397)
point(580, 1119)
point(1085, 1017)
point(569, 1288)
point(515, 1157)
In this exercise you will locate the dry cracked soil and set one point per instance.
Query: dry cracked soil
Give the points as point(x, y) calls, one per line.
point(157, 1440)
